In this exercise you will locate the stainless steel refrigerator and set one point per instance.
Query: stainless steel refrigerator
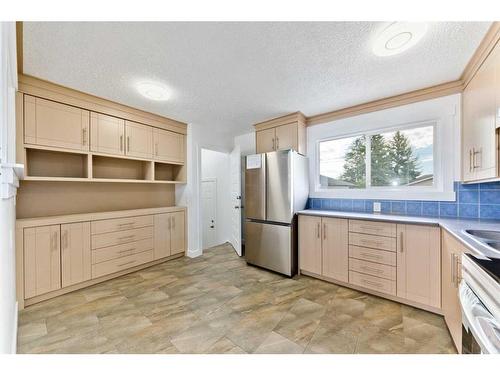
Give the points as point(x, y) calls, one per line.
point(276, 187)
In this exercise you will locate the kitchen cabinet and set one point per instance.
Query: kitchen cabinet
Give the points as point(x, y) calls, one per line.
point(169, 234)
point(282, 133)
point(42, 260)
point(452, 252)
point(323, 246)
point(48, 123)
point(265, 140)
point(480, 113)
point(419, 264)
point(107, 134)
point(169, 146)
point(138, 140)
point(75, 253)
point(335, 252)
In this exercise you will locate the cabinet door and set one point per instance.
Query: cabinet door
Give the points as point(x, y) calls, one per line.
point(419, 264)
point(168, 146)
point(42, 260)
point(162, 223)
point(139, 140)
point(287, 137)
point(335, 249)
point(53, 124)
point(264, 140)
point(107, 134)
point(479, 121)
point(310, 244)
point(177, 233)
point(450, 276)
point(75, 253)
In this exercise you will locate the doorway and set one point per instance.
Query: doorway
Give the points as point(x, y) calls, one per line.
point(209, 212)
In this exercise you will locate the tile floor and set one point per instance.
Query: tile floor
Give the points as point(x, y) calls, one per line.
point(218, 304)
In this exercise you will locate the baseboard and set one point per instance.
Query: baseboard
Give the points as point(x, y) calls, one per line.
point(194, 253)
point(13, 348)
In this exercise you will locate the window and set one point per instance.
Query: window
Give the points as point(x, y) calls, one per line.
point(402, 158)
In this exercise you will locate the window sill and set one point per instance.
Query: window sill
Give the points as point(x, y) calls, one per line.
point(386, 194)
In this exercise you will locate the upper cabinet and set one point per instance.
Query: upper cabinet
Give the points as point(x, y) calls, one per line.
point(139, 140)
point(282, 133)
point(480, 120)
point(107, 134)
point(169, 146)
point(52, 124)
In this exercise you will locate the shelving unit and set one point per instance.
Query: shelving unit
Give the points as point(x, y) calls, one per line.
point(53, 164)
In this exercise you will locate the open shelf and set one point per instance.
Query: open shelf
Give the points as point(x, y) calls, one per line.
point(109, 168)
point(56, 164)
point(169, 172)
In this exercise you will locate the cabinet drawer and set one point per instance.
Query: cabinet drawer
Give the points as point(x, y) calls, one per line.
point(120, 264)
point(373, 255)
point(113, 225)
point(373, 227)
point(119, 251)
point(117, 238)
point(374, 269)
point(372, 282)
point(375, 242)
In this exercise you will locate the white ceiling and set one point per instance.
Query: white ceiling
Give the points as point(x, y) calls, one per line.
point(227, 76)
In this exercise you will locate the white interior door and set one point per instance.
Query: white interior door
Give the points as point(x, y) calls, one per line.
point(209, 211)
point(235, 178)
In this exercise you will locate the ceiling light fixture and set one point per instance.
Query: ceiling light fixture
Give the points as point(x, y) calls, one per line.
point(153, 91)
point(398, 37)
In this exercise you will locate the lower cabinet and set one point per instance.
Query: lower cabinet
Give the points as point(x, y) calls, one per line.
point(323, 247)
point(42, 260)
point(398, 260)
point(75, 253)
point(169, 237)
point(71, 252)
point(419, 264)
point(450, 279)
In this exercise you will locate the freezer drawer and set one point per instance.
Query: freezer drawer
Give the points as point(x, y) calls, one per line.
point(270, 246)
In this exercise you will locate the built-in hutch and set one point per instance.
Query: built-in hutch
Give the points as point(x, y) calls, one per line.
point(97, 199)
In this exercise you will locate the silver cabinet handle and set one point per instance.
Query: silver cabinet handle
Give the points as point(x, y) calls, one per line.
point(54, 246)
point(169, 223)
point(373, 283)
point(84, 136)
point(470, 160)
point(452, 259)
point(121, 142)
point(65, 239)
point(372, 256)
point(125, 237)
point(126, 250)
point(476, 153)
point(128, 143)
point(274, 148)
point(277, 143)
point(173, 222)
point(401, 242)
point(318, 230)
point(371, 269)
point(126, 224)
point(324, 231)
point(156, 149)
point(126, 263)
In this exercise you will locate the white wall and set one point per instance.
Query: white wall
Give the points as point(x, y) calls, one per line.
point(215, 164)
point(8, 182)
point(445, 111)
point(199, 137)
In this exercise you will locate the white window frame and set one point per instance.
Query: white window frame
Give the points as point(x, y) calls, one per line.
point(443, 113)
point(368, 135)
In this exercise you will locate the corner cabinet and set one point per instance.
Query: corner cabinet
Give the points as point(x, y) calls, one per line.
point(282, 133)
point(481, 120)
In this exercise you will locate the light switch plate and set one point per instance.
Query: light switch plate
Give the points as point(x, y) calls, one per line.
point(377, 207)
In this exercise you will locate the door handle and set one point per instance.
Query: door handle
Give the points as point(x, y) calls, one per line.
point(237, 207)
point(324, 231)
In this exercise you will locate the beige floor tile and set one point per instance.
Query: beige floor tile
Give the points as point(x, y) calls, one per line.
point(277, 344)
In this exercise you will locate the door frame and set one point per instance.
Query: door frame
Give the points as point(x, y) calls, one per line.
point(208, 179)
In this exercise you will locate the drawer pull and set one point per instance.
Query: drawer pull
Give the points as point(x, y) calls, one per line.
point(371, 269)
point(126, 263)
point(374, 243)
point(372, 283)
point(126, 250)
point(126, 237)
point(373, 256)
point(126, 224)
point(368, 228)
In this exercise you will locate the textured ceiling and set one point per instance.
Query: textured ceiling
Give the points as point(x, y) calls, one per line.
point(227, 76)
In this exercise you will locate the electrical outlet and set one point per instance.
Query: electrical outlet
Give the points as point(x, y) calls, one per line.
point(377, 207)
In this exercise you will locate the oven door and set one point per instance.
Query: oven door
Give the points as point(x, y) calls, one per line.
point(480, 331)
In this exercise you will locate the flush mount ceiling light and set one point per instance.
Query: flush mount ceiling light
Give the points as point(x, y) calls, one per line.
point(153, 91)
point(398, 37)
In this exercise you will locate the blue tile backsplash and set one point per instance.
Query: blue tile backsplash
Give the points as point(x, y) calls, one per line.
point(473, 201)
